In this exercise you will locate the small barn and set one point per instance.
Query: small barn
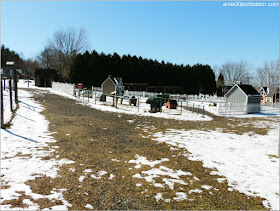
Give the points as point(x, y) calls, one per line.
point(112, 85)
point(44, 77)
point(245, 97)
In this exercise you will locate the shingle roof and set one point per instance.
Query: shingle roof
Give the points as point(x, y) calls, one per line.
point(248, 89)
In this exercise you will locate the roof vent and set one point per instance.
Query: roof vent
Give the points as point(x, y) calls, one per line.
point(238, 82)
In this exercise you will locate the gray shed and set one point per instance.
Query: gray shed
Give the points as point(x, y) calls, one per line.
point(245, 96)
point(112, 85)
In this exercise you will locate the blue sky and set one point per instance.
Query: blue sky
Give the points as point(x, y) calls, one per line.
point(182, 32)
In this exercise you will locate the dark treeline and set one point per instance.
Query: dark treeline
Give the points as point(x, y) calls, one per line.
point(92, 69)
point(9, 55)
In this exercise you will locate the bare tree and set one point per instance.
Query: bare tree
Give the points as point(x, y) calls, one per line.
point(62, 49)
point(236, 71)
point(30, 65)
point(268, 74)
point(46, 58)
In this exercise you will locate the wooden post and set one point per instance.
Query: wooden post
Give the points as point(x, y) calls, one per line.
point(181, 108)
point(15, 84)
point(203, 112)
point(192, 107)
point(160, 105)
point(11, 94)
point(138, 104)
point(28, 79)
point(197, 109)
point(95, 97)
point(2, 108)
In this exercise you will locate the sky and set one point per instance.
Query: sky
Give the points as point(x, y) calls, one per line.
point(180, 32)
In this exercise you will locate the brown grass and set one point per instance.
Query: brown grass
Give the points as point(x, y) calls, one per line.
point(18, 202)
point(93, 147)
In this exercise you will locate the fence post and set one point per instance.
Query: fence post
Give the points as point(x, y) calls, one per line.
point(192, 107)
point(15, 84)
point(11, 94)
point(181, 107)
point(197, 109)
point(138, 104)
point(2, 108)
point(203, 112)
point(95, 97)
point(219, 107)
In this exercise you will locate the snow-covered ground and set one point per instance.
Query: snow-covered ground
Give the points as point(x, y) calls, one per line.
point(248, 161)
point(27, 137)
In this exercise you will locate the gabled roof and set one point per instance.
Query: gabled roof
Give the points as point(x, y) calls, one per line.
point(270, 91)
point(247, 89)
point(115, 80)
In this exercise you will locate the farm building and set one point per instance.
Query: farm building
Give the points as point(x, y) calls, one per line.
point(44, 77)
point(244, 97)
point(269, 94)
point(112, 85)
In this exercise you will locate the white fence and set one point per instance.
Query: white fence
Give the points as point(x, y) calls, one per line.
point(64, 87)
point(140, 93)
point(206, 98)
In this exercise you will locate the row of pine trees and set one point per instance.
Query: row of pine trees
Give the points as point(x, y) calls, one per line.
point(93, 68)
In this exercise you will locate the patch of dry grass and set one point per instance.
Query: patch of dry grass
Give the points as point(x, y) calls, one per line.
point(97, 137)
point(18, 202)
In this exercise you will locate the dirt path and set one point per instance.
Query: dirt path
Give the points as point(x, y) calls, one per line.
point(105, 174)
